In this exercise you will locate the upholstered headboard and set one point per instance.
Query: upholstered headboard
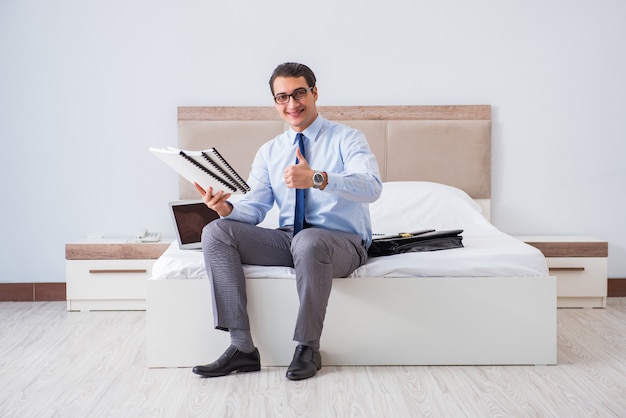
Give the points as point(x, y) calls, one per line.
point(443, 144)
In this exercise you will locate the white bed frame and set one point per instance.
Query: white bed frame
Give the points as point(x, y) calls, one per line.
point(370, 321)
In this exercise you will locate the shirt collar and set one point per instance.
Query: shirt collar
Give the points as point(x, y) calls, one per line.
point(311, 132)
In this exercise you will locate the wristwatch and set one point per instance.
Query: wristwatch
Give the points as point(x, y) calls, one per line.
point(318, 179)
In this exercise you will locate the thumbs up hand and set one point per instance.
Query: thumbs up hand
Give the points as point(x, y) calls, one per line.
point(300, 175)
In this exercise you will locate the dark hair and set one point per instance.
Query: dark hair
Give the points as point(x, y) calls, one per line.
point(292, 69)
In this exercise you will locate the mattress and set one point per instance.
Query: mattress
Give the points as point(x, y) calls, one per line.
point(402, 207)
point(496, 255)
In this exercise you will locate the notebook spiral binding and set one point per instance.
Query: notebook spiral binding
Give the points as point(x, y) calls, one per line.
point(219, 168)
point(197, 164)
point(237, 180)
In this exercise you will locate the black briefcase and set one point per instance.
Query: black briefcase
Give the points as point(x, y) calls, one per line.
point(427, 240)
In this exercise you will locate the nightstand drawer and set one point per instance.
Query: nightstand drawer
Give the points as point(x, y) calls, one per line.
point(579, 276)
point(107, 279)
point(109, 274)
point(580, 266)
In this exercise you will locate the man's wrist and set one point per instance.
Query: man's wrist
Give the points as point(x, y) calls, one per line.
point(228, 211)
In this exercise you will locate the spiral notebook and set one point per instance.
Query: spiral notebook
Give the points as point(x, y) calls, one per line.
point(208, 168)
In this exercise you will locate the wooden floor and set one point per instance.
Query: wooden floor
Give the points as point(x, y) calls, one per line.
point(75, 364)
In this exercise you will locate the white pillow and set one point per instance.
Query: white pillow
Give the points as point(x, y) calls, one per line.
point(408, 206)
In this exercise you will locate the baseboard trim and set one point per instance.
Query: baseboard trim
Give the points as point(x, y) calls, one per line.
point(617, 288)
point(43, 292)
point(32, 292)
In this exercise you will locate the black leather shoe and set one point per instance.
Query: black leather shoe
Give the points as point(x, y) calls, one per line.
point(232, 360)
point(306, 362)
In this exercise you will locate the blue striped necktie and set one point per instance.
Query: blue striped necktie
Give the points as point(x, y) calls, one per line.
point(298, 219)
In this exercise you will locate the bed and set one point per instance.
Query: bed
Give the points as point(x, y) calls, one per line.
point(490, 302)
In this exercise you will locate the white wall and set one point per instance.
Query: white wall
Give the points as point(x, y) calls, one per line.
point(87, 86)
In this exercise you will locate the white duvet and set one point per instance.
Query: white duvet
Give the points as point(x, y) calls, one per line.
point(405, 207)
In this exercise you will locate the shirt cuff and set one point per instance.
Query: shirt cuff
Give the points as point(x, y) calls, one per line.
point(335, 182)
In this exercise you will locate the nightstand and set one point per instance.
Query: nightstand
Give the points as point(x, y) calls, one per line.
point(109, 274)
point(580, 266)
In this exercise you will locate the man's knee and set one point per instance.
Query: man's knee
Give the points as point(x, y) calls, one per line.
point(216, 231)
point(310, 243)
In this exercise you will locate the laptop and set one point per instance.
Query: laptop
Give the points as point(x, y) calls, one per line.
point(189, 217)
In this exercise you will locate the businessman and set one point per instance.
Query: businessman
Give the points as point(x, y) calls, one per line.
point(322, 176)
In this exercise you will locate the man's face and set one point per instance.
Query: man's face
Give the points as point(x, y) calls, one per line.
point(299, 114)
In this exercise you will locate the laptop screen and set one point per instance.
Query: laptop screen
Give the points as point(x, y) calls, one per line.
point(189, 217)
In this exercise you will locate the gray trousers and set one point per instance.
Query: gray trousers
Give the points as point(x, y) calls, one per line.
point(318, 255)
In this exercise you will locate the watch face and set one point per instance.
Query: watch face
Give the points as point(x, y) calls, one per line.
point(318, 179)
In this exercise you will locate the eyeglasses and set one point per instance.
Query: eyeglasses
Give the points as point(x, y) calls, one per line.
point(298, 94)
